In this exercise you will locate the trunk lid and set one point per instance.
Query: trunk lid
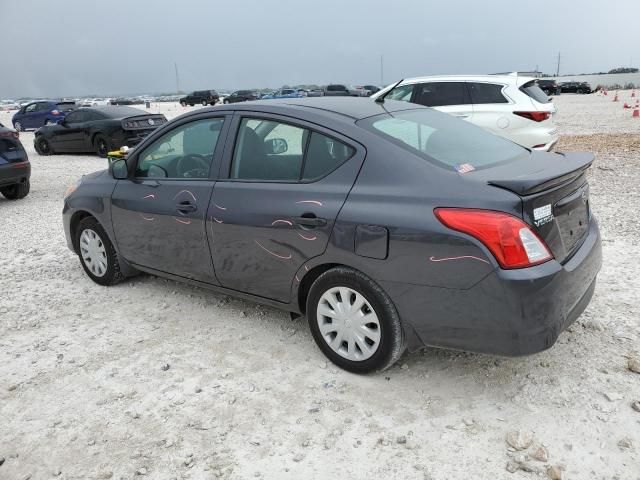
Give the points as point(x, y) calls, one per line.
point(555, 196)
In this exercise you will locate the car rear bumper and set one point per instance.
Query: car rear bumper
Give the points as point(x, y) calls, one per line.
point(509, 312)
point(12, 173)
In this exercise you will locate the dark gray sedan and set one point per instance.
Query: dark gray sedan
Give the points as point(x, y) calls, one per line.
point(389, 225)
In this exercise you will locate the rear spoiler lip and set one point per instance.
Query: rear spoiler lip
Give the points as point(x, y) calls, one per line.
point(539, 181)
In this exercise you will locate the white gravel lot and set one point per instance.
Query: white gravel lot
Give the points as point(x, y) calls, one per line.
point(83, 392)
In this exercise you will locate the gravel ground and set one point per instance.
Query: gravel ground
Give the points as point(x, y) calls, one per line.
point(156, 379)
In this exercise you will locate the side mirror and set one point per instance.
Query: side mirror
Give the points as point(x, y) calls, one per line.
point(276, 146)
point(118, 169)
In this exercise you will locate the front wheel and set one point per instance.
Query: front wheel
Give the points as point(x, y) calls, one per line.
point(97, 254)
point(17, 191)
point(18, 127)
point(354, 322)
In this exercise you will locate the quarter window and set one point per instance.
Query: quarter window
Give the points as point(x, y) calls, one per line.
point(274, 151)
point(482, 93)
point(402, 92)
point(440, 94)
point(185, 152)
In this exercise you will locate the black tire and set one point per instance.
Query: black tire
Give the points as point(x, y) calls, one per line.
point(17, 191)
point(101, 145)
point(204, 103)
point(392, 337)
point(112, 275)
point(18, 127)
point(184, 104)
point(42, 146)
point(191, 104)
point(579, 91)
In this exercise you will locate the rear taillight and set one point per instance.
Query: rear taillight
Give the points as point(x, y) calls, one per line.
point(10, 134)
point(535, 116)
point(55, 112)
point(510, 240)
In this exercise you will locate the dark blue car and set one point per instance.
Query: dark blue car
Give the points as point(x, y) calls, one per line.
point(39, 113)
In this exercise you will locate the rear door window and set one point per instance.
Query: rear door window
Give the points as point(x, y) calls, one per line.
point(532, 90)
point(440, 94)
point(324, 154)
point(482, 93)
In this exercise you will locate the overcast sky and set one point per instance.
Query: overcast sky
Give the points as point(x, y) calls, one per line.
point(79, 47)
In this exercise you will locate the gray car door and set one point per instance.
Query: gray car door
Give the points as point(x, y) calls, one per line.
point(278, 203)
point(159, 215)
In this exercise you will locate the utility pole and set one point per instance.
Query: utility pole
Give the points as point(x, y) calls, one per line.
point(558, 69)
point(381, 71)
point(175, 66)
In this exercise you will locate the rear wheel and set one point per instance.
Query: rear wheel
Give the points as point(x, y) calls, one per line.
point(204, 103)
point(579, 91)
point(101, 145)
point(98, 257)
point(17, 191)
point(42, 146)
point(354, 322)
point(18, 126)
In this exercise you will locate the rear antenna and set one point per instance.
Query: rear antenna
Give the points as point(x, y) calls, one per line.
point(380, 99)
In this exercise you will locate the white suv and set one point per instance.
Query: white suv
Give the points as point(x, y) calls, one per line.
point(507, 105)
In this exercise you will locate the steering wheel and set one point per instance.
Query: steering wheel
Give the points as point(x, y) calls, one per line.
point(192, 165)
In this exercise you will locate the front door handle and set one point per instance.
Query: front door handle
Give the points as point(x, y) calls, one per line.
point(186, 207)
point(310, 220)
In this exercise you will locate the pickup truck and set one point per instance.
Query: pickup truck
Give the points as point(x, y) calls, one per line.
point(203, 97)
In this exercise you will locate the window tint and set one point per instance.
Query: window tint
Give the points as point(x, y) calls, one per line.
point(534, 91)
point(275, 151)
point(439, 94)
point(486, 93)
point(268, 150)
point(184, 152)
point(324, 155)
point(65, 106)
point(31, 108)
point(336, 88)
point(403, 92)
point(43, 107)
point(75, 117)
point(443, 139)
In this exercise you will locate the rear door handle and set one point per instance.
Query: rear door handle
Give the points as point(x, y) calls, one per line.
point(310, 221)
point(186, 207)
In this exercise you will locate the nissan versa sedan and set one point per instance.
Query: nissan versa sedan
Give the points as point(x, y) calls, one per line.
point(389, 225)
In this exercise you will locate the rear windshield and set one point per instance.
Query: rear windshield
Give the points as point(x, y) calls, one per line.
point(66, 106)
point(438, 137)
point(533, 90)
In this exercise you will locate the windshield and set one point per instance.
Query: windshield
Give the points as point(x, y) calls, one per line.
point(443, 139)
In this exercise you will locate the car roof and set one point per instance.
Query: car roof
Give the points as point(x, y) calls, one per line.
point(355, 108)
point(114, 111)
point(503, 79)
